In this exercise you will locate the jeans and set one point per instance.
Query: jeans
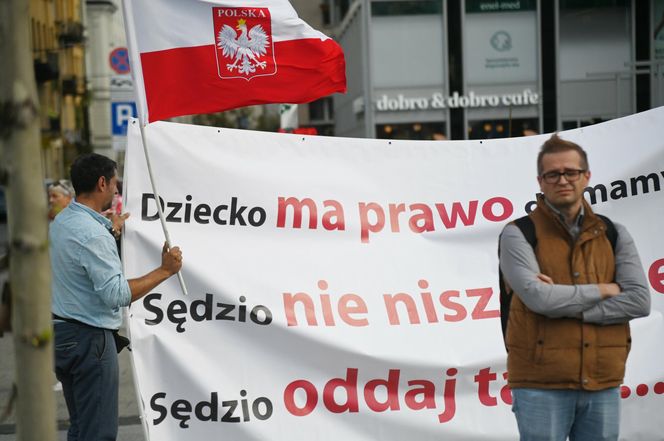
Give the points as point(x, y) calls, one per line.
point(553, 415)
point(86, 363)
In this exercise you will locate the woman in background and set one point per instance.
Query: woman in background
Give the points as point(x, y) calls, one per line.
point(60, 194)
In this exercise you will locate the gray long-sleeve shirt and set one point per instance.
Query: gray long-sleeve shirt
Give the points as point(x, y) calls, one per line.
point(520, 268)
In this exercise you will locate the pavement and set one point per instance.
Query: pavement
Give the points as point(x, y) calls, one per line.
point(130, 428)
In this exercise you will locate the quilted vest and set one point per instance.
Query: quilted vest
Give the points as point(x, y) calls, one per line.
point(566, 353)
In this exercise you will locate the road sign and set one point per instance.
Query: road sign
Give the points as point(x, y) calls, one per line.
point(121, 113)
point(119, 60)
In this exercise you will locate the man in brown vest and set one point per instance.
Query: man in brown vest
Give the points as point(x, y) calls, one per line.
point(574, 294)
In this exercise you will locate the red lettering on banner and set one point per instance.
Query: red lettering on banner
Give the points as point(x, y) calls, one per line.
point(480, 311)
point(395, 210)
point(372, 215)
point(484, 378)
point(350, 308)
point(449, 304)
point(333, 218)
point(337, 213)
point(391, 301)
point(427, 301)
point(421, 217)
point(487, 209)
point(423, 221)
point(366, 225)
point(420, 395)
point(427, 391)
point(349, 385)
point(656, 275)
point(467, 218)
point(505, 391)
point(449, 397)
point(289, 397)
point(391, 385)
point(297, 206)
point(455, 311)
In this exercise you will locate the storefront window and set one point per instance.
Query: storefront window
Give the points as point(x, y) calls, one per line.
point(419, 131)
point(408, 56)
point(658, 29)
point(407, 44)
point(502, 128)
point(407, 7)
point(500, 56)
point(500, 42)
point(595, 45)
point(568, 125)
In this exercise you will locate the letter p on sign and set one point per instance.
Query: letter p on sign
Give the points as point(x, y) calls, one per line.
point(121, 113)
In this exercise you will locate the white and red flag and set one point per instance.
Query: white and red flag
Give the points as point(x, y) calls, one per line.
point(194, 56)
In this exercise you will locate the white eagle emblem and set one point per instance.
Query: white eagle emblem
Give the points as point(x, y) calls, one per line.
point(247, 49)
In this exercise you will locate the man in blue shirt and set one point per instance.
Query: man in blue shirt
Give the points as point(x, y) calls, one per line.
point(88, 291)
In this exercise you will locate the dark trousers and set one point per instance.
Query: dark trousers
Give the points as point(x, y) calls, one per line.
point(86, 363)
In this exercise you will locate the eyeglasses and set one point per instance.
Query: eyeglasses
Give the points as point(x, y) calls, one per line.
point(553, 177)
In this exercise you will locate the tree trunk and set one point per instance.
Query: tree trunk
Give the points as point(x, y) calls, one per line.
point(29, 266)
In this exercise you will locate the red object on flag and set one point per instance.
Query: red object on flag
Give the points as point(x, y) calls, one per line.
point(192, 56)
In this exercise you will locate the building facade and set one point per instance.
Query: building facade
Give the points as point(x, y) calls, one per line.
point(477, 69)
point(58, 44)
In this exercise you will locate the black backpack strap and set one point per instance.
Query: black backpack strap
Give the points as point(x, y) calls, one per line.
point(527, 227)
point(611, 232)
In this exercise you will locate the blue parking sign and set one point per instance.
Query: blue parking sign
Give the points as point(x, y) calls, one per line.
point(121, 113)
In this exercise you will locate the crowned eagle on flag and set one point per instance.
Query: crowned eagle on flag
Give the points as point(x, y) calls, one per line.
point(247, 48)
point(244, 46)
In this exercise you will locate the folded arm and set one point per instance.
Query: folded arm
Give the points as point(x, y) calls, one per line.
point(520, 268)
point(604, 303)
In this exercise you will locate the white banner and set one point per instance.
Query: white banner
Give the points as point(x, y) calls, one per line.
point(347, 289)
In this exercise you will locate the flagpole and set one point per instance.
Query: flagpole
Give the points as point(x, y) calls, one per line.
point(158, 203)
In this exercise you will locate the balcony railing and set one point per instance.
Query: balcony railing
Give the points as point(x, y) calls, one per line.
point(70, 33)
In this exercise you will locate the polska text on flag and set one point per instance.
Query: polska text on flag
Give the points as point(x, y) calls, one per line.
point(193, 56)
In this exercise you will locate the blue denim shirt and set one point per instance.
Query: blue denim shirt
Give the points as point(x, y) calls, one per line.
point(87, 281)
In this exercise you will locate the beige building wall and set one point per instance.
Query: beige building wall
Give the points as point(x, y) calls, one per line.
point(57, 40)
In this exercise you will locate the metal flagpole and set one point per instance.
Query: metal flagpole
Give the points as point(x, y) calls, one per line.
point(158, 203)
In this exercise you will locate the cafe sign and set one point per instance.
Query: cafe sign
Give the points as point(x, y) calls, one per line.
point(387, 103)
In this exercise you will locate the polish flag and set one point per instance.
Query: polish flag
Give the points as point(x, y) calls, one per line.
point(194, 56)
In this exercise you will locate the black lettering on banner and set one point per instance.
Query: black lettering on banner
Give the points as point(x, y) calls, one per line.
point(216, 215)
point(228, 416)
point(236, 215)
point(225, 313)
point(177, 307)
point(147, 304)
point(200, 310)
point(175, 209)
point(256, 410)
point(207, 309)
point(184, 410)
point(181, 410)
point(221, 215)
point(158, 408)
point(211, 405)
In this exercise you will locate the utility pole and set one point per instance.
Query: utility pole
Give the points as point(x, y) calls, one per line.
point(29, 266)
